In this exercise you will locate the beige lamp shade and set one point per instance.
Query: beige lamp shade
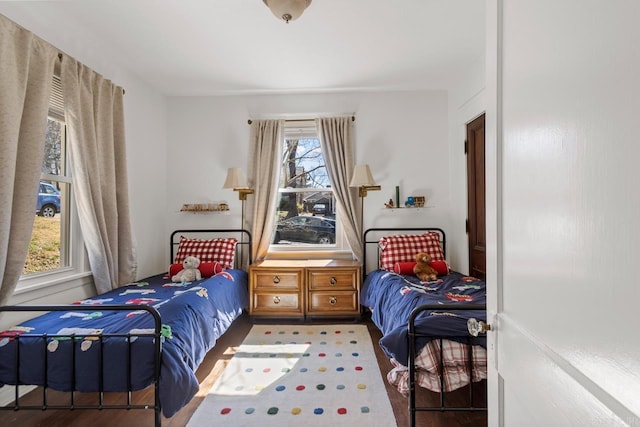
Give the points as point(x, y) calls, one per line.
point(235, 179)
point(362, 177)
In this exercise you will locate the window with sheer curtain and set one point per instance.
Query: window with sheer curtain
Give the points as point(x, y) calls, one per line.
point(50, 250)
point(306, 207)
point(285, 168)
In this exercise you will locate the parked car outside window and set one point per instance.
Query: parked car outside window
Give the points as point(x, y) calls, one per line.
point(320, 209)
point(48, 203)
point(306, 229)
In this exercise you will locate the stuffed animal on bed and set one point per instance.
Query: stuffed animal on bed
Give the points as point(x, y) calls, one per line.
point(190, 271)
point(422, 269)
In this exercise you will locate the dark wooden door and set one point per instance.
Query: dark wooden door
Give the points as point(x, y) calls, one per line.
point(476, 198)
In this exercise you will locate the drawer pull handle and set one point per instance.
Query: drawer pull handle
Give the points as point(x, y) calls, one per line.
point(333, 300)
point(276, 279)
point(276, 300)
point(333, 281)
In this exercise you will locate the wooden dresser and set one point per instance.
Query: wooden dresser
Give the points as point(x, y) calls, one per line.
point(305, 288)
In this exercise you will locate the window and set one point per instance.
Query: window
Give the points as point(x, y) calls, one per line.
point(50, 251)
point(48, 246)
point(306, 211)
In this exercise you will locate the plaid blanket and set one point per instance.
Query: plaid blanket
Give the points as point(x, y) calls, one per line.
point(456, 367)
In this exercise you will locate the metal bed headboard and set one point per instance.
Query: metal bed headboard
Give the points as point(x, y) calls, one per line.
point(243, 255)
point(373, 235)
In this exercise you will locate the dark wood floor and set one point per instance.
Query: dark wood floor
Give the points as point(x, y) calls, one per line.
point(207, 373)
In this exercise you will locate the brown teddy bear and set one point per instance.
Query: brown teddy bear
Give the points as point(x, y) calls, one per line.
point(423, 270)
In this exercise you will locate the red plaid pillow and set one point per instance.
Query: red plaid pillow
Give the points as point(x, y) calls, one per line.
point(218, 250)
point(403, 248)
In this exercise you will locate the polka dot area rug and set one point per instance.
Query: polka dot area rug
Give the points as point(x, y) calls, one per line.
point(299, 375)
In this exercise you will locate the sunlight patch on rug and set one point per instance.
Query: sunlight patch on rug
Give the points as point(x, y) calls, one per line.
point(311, 375)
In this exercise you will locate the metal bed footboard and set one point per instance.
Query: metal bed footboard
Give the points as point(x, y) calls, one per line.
point(155, 405)
point(412, 336)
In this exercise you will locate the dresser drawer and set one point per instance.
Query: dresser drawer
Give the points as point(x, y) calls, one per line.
point(332, 279)
point(266, 279)
point(276, 303)
point(333, 302)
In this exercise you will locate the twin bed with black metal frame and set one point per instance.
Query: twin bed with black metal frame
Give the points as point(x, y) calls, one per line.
point(424, 324)
point(151, 333)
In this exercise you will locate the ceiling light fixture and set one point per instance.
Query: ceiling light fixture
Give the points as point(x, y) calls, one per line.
point(287, 10)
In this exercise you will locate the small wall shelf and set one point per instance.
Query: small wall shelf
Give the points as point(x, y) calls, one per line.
point(403, 209)
point(205, 207)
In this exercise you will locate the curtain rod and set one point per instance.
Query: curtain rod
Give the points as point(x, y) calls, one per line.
point(353, 119)
point(60, 59)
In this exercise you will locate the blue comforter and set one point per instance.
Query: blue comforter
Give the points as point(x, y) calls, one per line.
point(194, 315)
point(392, 297)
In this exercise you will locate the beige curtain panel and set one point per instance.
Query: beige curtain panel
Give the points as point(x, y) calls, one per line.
point(26, 71)
point(95, 120)
point(336, 140)
point(264, 175)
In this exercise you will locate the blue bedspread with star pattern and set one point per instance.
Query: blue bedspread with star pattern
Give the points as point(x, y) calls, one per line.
point(392, 297)
point(194, 315)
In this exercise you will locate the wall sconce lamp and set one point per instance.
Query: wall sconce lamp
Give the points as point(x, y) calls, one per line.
point(235, 179)
point(363, 179)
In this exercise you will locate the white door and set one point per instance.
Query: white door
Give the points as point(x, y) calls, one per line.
point(563, 212)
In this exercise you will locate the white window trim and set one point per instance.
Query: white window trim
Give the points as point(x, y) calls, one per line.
point(306, 129)
point(77, 263)
point(78, 260)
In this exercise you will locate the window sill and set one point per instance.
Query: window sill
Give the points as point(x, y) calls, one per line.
point(298, 254)
point(28, 291)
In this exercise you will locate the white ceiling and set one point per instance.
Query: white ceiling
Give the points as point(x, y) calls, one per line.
point(213, 47)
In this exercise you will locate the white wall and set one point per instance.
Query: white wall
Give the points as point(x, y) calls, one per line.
point(179, 149)
point(569, 353)
point(403, 136)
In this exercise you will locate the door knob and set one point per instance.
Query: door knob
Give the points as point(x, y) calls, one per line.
point(477, 327)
